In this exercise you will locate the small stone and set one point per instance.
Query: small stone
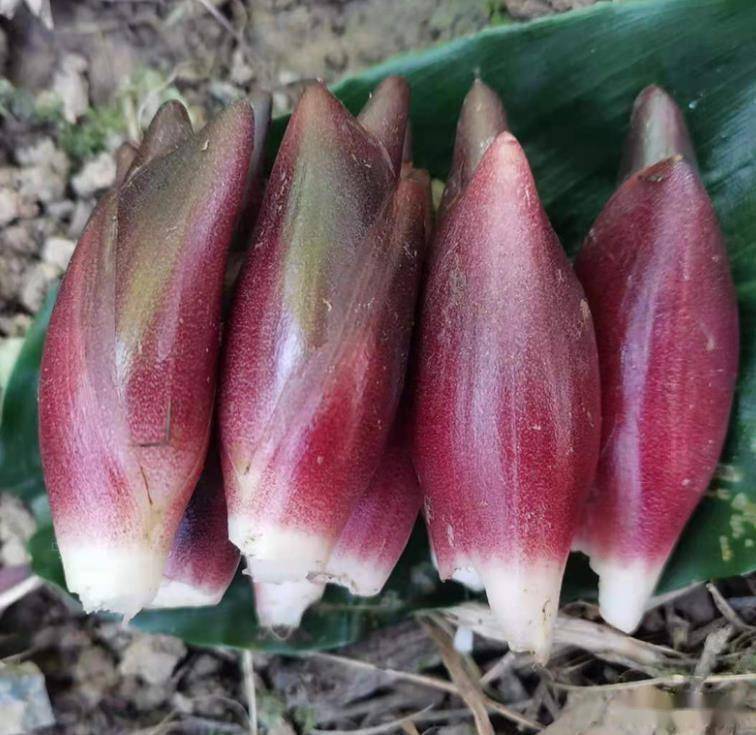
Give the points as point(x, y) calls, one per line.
point(182, 704)
point(203, 665)
point(281, 103)
point(224, 92)
point(61, 210)
point(241, 72)
point(11, 277)
point(95, 673)
point(281, 728)
point(10, 205)
point(152, 658)
point(82, 211)
point(40, 184)
point(286, 76)
point(96, 175)
point(44, 153)
point(37, 282)
point(70, 84)
point(24, 703)
point(19, 239)
point(16, 528)
point(15, 326)
point(57, 251)
point(141, 695)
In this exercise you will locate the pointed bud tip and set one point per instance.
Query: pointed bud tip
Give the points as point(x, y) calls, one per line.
point(657, 131)
point(395, 85)
point(169, 127)
point(124, 158)
point(237, 118)
point(316, 98)
point(385, 115)
point(481, 120)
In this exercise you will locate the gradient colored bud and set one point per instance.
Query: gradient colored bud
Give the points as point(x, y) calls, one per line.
point(506, 413)
point(656, 274)
point(319, 331)
point(261, 104)
point(380, 525)
point(169, 128)
point(128, 372)
point(202, 562)
point(368, 547)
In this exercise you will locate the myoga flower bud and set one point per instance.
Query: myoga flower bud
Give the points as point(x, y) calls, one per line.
point(368, 547)
point(506, 407)
point(202, 562)
point(128, 373)
point(380, 525)
point(319, 331)
point(655, 271)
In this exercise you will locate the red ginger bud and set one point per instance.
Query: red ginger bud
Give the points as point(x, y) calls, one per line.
point(128, 371)
point(506, 411)
point(319, 331)
point(368, 547)
point(655, 271)
point(202, 562)
point(380, 525)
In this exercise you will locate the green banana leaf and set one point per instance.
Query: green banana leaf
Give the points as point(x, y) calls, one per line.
point(568, 83)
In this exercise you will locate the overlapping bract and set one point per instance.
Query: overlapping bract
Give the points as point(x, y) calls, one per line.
point(656, 274)
point(507, 414)
point(368, 547)
point(319, 330)
point(128, 375)
point(202, 561)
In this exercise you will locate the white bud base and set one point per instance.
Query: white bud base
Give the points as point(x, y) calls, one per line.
point(121, 580)
point(524, 598)
point(275, 554)
point(625, 589)
point(469, 577)
point(283, 605)
point(360, 576)
point(173, 593)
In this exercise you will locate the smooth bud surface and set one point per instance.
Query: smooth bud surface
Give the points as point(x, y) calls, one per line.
point(282, 605)
point(318, 336)
point(380, 525)
point(656, 274)
point(657, 131)
point(481, 119)
point(202, 561)
point(506, 411)
point(128, 373)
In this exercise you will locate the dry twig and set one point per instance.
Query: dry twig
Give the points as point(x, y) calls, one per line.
point(375, 729)
point(727, 612)
point(248, 671)
point(675, 680)
point(455, 665)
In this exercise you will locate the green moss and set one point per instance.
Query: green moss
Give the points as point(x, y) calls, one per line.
point(88, 136)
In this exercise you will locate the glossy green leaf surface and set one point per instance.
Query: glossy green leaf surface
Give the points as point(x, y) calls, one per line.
point(20, 465)
point(568, 83)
